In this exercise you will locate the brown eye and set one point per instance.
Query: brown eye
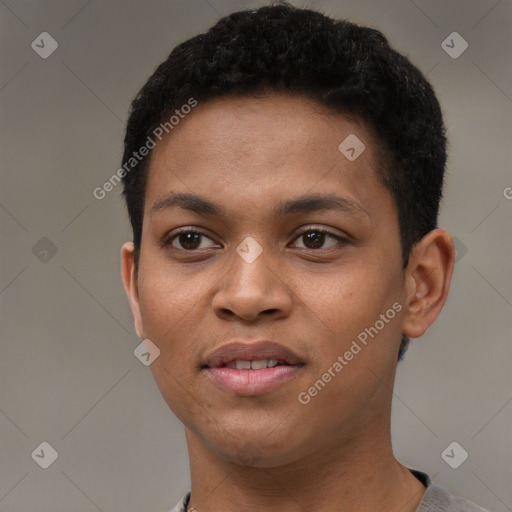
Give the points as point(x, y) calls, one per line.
point(316, 238)
point(188, 240)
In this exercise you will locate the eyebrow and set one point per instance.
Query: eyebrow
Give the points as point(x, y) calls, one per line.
point(302, 204)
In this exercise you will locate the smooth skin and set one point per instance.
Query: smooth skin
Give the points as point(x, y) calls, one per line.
point(310, 292)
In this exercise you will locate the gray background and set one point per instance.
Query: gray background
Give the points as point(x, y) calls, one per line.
point(68, 375)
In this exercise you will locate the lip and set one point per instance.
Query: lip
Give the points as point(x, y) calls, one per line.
point(250, 351)
point(251, 382)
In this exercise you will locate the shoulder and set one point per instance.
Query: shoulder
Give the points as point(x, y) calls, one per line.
point(437, 499)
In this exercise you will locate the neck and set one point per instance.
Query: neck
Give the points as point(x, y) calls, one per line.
point(358, 473)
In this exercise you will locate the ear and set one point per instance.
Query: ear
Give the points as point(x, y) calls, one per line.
point(130, 283)
point(428, 278)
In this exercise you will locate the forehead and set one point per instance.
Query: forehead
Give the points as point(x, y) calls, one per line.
point(261, 149)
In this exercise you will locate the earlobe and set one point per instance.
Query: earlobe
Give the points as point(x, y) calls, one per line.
point(130, 283)
point(428, 278)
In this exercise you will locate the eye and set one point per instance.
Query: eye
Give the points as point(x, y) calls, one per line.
point(187, 240)
point(315, 239)
point(191, 240)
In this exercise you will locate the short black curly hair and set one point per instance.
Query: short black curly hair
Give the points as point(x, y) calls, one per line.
point(349, 68)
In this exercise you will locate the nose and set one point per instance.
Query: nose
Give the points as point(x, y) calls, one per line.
point(249, 291)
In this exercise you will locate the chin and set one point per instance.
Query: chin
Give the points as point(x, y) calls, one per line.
point(257, 451)
point(251, 456)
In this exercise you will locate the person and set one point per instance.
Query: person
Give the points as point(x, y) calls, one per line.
point(282, 174)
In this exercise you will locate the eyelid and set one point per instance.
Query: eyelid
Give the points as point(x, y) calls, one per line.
point(322, 229)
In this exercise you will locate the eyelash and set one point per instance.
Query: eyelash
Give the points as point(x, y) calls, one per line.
point(167, 242)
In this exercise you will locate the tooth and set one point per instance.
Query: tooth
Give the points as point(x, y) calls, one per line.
point(258, 365)
point(243, 365)
point(271, 363)
point(231, 364)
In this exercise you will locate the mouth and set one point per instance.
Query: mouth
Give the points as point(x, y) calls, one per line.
point(256, 364)
point(251, 368)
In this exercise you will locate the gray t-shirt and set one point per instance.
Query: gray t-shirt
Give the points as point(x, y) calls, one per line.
point(435, 499)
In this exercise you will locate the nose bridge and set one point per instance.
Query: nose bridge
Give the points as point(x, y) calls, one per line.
point(250, 285)
point(250, 267)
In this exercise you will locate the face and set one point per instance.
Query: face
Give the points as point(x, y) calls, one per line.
point(257, 227)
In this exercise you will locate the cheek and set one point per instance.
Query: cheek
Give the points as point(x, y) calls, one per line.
point(167, 296)
point(169, 311)
point(349, 298)
point(359, 316)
